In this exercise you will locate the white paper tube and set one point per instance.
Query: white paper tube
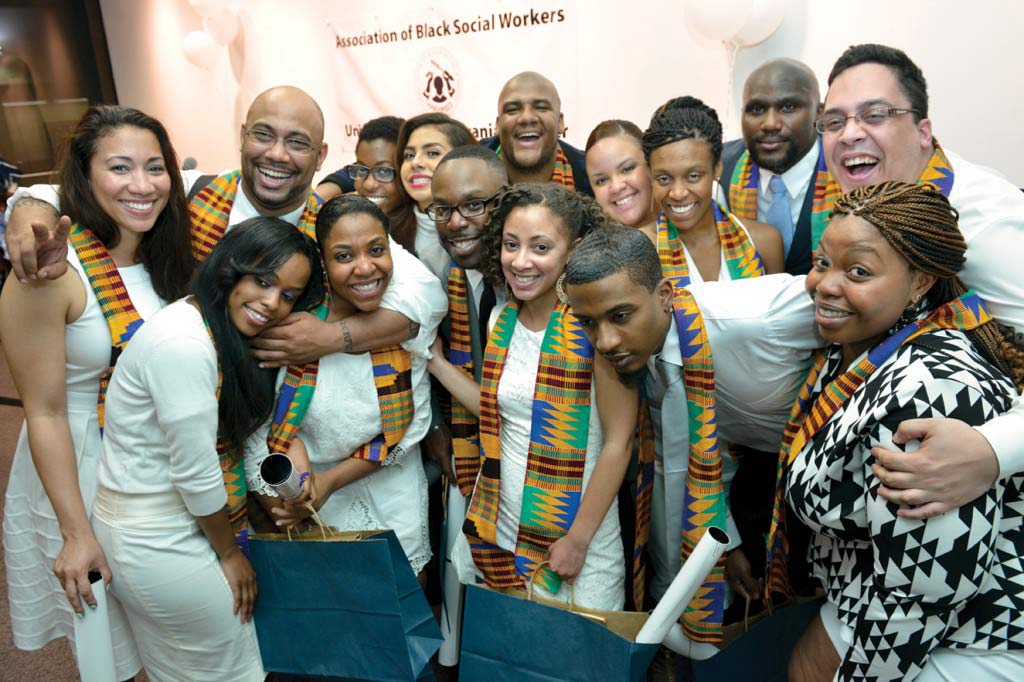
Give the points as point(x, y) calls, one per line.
point(684, 586)
point(277, 472)
point(678, 642)
point(94, 647)
point(451, 607)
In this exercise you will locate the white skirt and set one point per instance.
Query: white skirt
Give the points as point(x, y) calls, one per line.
point(173, 590)
point(40, 612)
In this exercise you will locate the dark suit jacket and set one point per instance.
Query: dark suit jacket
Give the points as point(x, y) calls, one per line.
point(798, 260)
point(575, 157)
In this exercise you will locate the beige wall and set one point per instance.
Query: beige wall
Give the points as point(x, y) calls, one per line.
point(630, 57)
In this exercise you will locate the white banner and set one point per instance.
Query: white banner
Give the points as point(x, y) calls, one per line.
point(393, 59)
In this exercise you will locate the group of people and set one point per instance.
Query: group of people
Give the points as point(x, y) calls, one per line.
point(754, 336)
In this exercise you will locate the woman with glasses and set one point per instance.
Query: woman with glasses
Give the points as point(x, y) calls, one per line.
point(422, 143)
point(375, 174)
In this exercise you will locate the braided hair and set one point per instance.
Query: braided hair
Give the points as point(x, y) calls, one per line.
point(683, 118)
point(921, 225)
point(579, 215)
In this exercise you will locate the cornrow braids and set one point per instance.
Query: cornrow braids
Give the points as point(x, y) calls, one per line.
point(921, 225)
point(579, 215)
point(683, 118)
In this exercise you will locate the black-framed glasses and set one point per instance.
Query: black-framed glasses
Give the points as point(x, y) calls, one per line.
point(467, 209)
point(870, 117)
point(264, 139)
point(380, 173)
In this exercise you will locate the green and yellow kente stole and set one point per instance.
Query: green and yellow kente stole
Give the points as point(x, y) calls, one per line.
point(815, 405)
point(741, 258)
point(392, 377)
point(211, 206)
point(557, 454)
point(465, 426)
point(562, 173)
point(703, 497)
point(746, 178)
point(122, 318)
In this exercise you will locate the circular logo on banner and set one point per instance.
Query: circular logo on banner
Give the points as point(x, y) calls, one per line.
point(438, 78)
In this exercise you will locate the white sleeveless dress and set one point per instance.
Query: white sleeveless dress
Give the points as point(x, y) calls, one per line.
point(39, 608)
point(601, 582)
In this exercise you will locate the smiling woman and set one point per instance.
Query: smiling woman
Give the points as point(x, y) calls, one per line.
point(130, 254)
point(170, 504)
point(619, 175)
point(908, 341)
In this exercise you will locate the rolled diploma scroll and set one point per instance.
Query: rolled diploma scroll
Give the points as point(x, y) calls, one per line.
point(278, 472)
point(451, 607)
point(94, 647)
point(684, 586)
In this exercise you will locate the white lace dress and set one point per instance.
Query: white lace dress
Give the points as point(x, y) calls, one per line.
point(39, 608)
point(601, 582)
point(343, 415)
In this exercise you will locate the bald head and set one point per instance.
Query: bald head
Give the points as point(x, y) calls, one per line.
point(529, 122)
point(780, 104)
point(295, 102)
point(282, 144)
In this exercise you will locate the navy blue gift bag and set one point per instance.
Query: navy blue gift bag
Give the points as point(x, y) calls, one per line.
point(507, 637)
point(348, 606)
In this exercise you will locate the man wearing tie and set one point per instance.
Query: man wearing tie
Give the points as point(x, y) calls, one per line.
point(771, 175)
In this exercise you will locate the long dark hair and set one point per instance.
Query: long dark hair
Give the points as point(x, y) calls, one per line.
point(165, 250)
point(457, 135)
point(258, 246)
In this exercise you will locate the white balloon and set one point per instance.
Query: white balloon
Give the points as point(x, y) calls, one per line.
point(207, 8)
point(716, 19)
point(765, 18)
point(200, 49)
point(223, 27)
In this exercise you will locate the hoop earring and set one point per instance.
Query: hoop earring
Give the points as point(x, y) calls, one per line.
point(560, 289)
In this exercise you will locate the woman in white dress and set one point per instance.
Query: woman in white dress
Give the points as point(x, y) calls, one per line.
point(531, 234)
point(169, 510)
point(357, 485)
point(120, 187)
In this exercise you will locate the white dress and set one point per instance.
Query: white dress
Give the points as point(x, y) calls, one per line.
point(343, 415)
point(39, 608)
point(601, 582)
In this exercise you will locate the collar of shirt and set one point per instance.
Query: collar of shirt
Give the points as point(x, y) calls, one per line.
point(670, 352)
point(797, 179)
point(242, 209)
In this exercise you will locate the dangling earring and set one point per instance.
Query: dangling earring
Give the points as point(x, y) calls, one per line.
point(909, 315)
point(560, 289)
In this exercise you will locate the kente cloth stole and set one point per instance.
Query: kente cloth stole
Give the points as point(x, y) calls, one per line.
point(558, 449)
point(122, 318)
point(211, 206)
point(232, 467)
point(746, 177)
point(743, 188)
point(741, 258)
point(465, 426)
point(562, 173)
point(392, 377)
point(812, 410)
point(703, 498)
point(644, 441)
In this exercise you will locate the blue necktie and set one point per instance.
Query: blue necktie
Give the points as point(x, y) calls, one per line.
point(778, 213)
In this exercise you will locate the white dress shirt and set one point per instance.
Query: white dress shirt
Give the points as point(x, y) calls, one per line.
point(798, 180)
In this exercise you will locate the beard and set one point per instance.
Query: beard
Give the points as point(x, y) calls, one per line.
point(782, 165)
point(634, 379)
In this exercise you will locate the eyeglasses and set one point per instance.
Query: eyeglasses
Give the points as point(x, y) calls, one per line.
point(871, 117)
point(379, 173)
point(264, 139)
point(441, 213)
